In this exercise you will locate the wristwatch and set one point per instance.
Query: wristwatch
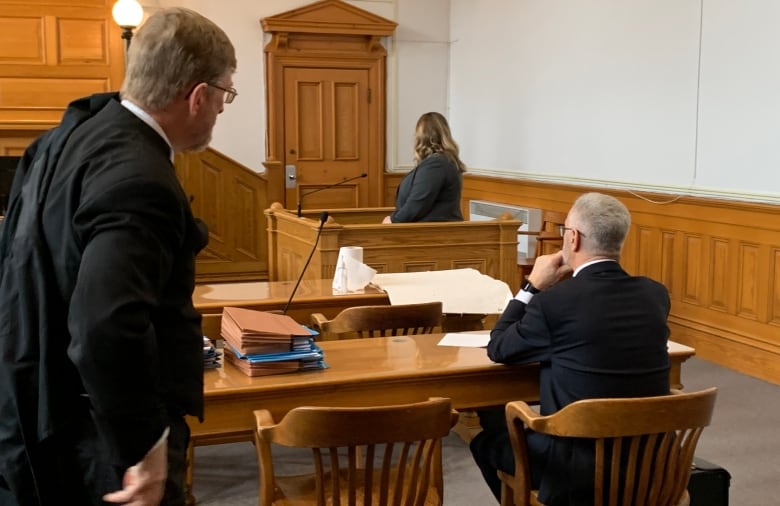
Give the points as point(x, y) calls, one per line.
point(530, 288)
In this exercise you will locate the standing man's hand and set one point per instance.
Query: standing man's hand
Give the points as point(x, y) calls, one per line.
point(548, 270)
point(387, 220)
point(144, 483)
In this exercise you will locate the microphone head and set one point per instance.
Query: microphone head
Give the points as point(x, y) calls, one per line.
point(323, 216)
point(364, 175)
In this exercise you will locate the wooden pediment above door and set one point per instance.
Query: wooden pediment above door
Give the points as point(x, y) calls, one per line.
point(329, 16)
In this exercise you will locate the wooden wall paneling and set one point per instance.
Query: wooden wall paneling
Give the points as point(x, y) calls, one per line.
point(719, 275)
point(21, 40)
point(391, 182)
point(230, 199)
point(52, 52)
point(694, 256)
point(647, 246)
point(773, 301)
point(13, 143)
point(747, 287)
point(668, 261)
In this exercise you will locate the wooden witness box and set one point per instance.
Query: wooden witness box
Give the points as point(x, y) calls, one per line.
point(490, 247)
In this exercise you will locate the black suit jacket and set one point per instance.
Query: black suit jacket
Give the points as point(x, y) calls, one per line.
point(602, 333)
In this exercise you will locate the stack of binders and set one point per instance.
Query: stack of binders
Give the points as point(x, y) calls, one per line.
point(261, 343)
point(211, 357)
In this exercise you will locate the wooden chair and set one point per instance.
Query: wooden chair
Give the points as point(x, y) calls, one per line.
point(380, 321)
point(402, 464)
point(549, 239)
point(656, 437)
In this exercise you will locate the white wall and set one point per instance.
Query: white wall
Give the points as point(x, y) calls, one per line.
point(739, 128)
point(418, 73)
point(609, 92)
point(678, 96)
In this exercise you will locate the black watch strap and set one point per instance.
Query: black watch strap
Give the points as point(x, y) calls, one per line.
point(530, 288)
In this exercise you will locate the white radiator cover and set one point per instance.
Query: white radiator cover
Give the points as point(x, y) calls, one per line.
point(482, 210)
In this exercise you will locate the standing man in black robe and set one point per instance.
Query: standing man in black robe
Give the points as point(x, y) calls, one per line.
point(100, 345)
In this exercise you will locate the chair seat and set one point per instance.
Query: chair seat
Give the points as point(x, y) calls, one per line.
point(300, 490)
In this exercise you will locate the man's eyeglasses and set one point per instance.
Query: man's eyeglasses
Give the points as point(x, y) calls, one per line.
point(230, 93)
point(571, 228)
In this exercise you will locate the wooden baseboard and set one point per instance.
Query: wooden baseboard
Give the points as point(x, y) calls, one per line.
point(728, 350)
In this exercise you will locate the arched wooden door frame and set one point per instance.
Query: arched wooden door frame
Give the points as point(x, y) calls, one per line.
point(326, 34)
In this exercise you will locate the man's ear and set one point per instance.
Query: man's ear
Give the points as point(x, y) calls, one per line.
point(576, 240)
point(197, 97)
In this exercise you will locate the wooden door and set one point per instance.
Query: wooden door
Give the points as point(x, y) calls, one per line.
point(326, 137)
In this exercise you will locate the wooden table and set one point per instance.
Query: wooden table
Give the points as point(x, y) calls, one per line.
point(370, 372)
point(365, 372)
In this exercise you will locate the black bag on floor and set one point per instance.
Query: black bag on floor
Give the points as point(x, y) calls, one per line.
point(709, 484)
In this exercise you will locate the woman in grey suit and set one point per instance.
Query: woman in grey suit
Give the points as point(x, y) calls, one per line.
point(431, 191)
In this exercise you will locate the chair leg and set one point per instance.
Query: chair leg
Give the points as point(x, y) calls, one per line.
point(189, 498)
point(507, 495)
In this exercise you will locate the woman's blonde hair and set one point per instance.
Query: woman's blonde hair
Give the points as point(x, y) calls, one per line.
point(433, 135)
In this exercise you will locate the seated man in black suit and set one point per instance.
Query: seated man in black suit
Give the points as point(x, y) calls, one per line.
point(596, 331)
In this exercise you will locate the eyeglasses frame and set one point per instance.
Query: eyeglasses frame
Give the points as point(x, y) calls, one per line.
point(573, 229)
point(230, 93)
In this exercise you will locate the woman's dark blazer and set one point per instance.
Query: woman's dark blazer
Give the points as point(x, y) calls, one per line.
point(430, 192)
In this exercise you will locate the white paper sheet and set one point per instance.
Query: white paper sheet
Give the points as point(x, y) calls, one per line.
point(461, 291)
point(477, 339)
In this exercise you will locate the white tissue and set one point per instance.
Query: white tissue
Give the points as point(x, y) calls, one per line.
point(351, 275)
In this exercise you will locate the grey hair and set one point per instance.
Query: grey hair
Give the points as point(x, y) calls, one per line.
point(175, 49)
point(603, 221)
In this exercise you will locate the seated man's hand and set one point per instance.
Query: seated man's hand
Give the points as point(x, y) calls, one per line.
point(386, 220)
point(548, 270)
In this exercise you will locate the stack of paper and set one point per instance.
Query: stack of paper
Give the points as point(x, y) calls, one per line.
point(447, 286)
point(261, 343)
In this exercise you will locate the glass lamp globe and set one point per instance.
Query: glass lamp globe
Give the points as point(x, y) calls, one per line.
point(127, 13)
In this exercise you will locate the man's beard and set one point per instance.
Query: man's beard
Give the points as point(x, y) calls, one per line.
point(202, 146)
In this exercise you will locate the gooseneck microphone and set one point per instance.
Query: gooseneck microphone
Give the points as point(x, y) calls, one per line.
point(323, 219)
point(347, 180)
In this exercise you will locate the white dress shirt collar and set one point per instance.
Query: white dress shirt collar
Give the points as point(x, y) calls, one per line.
point(146, 118)
point(586, 264)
